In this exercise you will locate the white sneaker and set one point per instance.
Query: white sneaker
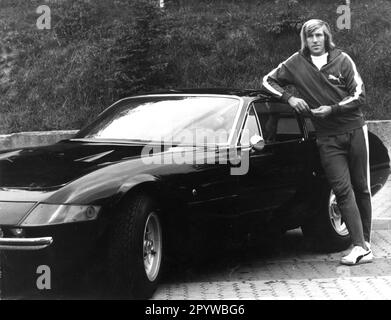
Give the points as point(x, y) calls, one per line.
point(370, 256)
point(357, 255)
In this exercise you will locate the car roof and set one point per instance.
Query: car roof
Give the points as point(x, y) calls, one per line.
point(219, 91)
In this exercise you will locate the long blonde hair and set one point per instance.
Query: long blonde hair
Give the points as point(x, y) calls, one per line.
point(310, 26)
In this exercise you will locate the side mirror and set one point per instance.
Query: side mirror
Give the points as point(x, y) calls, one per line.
point(257, 142)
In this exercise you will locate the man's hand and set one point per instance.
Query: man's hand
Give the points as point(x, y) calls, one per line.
point(299, 105)
point(322, 111)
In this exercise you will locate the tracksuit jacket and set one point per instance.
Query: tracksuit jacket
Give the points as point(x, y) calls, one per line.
point(336, 84)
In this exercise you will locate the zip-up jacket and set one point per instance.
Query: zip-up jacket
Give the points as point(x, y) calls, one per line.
point(337, 84)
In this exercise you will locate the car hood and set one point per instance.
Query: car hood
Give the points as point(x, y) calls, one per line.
point(50, 167)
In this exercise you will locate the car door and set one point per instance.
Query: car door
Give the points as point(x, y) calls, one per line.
point(210, 191)
point(277, 172)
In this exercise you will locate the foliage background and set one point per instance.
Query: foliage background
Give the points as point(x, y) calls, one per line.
point(99, 51)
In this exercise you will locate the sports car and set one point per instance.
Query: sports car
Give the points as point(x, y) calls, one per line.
point(155, 173)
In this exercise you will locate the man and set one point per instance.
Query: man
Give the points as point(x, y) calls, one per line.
point(332, 92)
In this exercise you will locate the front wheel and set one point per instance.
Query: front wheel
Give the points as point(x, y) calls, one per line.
point(136, 249)
point(327, 229)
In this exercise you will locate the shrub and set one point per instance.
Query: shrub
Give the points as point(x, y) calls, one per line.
point(99, 51)
point(140, 59)
point(75, 19)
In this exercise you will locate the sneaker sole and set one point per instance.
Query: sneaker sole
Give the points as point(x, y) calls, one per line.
point(362, 261)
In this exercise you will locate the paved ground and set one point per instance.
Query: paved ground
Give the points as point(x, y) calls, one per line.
point(382, 207)
point(289, 270)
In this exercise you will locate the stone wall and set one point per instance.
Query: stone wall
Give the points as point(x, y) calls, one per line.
point(381, 128)
point(32, 139)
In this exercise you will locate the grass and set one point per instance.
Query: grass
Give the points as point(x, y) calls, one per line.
point(61, 78)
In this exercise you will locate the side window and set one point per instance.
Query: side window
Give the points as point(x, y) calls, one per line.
point(278, 122)
point(250, 128)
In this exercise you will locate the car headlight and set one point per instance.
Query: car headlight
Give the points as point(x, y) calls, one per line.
point(49, 214)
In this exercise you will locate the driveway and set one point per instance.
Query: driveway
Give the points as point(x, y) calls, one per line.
point(289, 269)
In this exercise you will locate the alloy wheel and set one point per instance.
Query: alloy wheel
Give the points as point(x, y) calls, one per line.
point(152, 246)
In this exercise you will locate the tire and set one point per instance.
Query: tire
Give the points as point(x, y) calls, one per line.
point(135, 249)
point(326, 230)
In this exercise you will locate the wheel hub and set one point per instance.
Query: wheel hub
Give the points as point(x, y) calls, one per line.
point(336, 216)
point(152, 246)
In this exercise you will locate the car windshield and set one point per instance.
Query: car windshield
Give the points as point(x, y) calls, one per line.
point(186, 120)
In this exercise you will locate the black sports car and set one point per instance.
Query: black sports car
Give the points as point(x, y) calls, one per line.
point(128, 189)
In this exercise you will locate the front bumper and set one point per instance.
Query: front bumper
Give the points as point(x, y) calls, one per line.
point(25, 243)
point(67, 250)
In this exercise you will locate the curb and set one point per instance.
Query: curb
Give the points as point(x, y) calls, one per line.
point(381, 224)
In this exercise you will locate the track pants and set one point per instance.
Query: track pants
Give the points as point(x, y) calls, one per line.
point(345, 160)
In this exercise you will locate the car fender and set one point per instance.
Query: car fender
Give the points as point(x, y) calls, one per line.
point(148, 183)
point(171, 205)
point(138, 182)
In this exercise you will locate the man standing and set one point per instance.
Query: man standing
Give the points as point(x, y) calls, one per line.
point(333, 92)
